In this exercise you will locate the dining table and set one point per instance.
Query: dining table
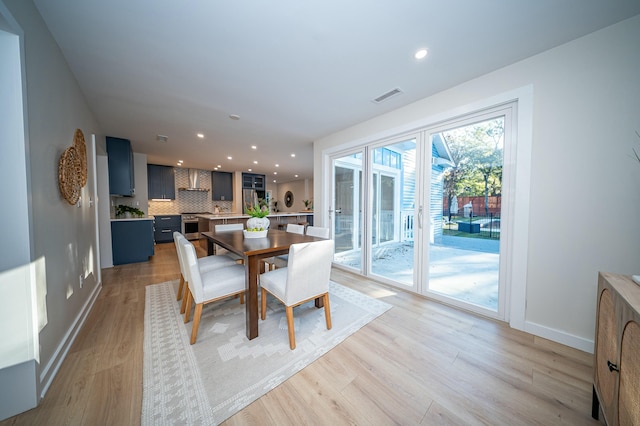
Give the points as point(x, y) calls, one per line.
point(253, 250)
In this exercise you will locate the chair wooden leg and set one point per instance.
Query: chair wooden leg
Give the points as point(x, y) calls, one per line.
point(179, 295)
point(187, 313)
point(292, 333)
point(263, 310)
point(327, 311)
point(196, 322)
point(183, 306)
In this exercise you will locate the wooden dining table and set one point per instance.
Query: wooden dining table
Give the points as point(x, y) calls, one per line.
point(253, 250)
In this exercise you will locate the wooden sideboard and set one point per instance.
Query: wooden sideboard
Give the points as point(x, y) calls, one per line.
point(616, 372)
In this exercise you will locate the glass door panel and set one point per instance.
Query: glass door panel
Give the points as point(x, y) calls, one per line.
point(464, 213)
point(393, 175)
point(346, 210)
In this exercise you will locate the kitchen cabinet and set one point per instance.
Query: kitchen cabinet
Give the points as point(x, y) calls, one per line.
point(131, 240)
point(161, 182)
point(120, 165)
point(165, 226)
point(616, 373)
point(222, 186)
point(253, 181)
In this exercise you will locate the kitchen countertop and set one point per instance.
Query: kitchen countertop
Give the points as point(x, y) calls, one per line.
point(245, 216)
point(131, 218)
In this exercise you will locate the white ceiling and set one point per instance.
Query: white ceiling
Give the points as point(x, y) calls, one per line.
point(294, 71)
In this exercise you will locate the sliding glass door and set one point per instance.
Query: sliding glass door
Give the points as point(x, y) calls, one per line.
point(346, 211)
point(424, 211)
point(393, 191)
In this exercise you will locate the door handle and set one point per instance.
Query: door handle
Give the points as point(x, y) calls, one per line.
point(420, 217)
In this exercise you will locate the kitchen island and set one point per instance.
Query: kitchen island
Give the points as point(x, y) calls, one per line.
point(207, 222)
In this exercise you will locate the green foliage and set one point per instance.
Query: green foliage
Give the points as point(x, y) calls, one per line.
point(121, 210)
point(476, 151)
point(257, 211)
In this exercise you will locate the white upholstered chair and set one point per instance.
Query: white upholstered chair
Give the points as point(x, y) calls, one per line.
point(225, 228)
point(272, 263)
point(205, 264)
point(305, 278)
point(318, 231)
point(209, 286)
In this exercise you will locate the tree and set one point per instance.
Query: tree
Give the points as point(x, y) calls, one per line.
point(476, 151)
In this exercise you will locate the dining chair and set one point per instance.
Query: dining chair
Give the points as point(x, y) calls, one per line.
point(204, 263)
point(226, 228)
point(209, 286)
point(318, 231)
point(305, 278)
point(274, 262)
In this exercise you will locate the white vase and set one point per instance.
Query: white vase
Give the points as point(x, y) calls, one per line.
point(258, 222)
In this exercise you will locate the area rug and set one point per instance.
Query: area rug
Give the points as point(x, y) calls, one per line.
point(223, 372)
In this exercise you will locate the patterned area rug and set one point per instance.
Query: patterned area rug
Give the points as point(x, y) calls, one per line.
point(223, 372)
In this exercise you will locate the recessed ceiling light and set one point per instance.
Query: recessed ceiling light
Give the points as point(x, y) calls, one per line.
point(162, 138)
point(420, 54)
point(274, 181)
point(255, 162)
point(219, 166)
point(293, 155)
point(249, 170)
point(254, 147)
point(234, 117)
point(277, 165)
point(200, 135)
point(275, 173)
point(215, 168)
point(179, 164)
point(180, 161)
point(229, 158)
point(295, 175)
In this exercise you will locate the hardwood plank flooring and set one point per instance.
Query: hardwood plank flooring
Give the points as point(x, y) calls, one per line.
point(419, 363)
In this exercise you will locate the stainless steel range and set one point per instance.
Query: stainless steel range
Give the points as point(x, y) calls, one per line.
point(190, 225)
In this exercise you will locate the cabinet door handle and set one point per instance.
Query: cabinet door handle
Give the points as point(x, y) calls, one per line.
point(166, 230)
point(165, 218)
point(612, 366)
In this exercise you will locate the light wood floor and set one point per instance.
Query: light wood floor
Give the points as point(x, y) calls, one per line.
point(419, 363)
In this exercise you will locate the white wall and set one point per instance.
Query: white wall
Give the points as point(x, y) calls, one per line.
point(64, 243)
point(301, 190)
point(585, 191)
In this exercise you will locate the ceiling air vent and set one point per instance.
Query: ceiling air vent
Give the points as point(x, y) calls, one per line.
point(387, 95)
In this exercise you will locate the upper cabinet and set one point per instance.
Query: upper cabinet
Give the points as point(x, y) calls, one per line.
point(222, 186)
point(253, 181)
point(161, 182)
point(120, 165)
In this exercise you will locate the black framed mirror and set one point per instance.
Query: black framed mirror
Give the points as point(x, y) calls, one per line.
point(288, 198)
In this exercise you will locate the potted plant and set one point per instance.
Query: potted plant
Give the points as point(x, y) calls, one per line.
point(258, 223)
point(128, 211)
point(308, 204)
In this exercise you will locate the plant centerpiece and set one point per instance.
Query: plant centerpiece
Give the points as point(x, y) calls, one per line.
point(258, 222)
point(308, 204)
point(128, 211)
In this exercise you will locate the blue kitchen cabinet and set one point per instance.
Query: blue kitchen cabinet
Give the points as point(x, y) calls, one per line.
point(222, 186)
point(165, 226)
point(161, 182)
point(131, 240)
point(120, 165)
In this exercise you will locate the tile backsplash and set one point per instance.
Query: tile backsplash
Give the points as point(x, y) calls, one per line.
point(189, 201)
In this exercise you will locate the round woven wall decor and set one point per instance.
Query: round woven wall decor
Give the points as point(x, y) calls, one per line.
point(81, 148)
point(69, 175)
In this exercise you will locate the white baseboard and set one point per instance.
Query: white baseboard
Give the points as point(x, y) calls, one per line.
point(51, 369)
point(562, 337)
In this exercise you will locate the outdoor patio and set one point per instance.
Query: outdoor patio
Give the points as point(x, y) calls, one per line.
point(466, 269)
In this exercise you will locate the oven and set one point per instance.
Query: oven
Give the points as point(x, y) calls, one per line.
point(190, 225)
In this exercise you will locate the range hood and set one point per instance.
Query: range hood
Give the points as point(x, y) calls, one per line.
point(194, 182)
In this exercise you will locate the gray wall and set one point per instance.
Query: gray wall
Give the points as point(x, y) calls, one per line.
point(64, 243)
point(584, 192)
